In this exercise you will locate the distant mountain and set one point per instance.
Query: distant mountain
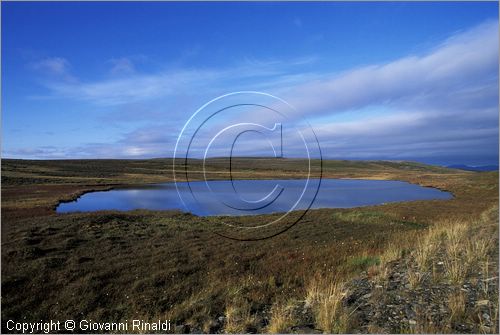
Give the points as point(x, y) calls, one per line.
point(474, 168)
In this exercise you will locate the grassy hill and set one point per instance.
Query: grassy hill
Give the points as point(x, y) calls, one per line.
point(117, 266)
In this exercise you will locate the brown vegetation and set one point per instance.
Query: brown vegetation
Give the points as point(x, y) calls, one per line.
point(114, 266)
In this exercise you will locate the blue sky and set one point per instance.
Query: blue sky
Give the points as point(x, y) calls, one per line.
point(413, 81)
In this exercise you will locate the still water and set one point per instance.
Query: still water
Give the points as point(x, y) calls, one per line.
point(250, 197)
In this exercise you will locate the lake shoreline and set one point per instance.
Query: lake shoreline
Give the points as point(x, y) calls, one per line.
point(48, 252)
point(405, 190)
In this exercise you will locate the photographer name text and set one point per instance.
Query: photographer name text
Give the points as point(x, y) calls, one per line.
point(87, 325)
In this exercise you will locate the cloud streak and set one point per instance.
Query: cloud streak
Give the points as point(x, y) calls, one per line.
point(443, 103)
point(464, 60)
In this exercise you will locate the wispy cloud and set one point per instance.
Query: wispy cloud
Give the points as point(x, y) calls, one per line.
point(466, 60)
point(130, 89)
point(54, 67)
point(122, 66)
point(443, 102)
point(133, 87)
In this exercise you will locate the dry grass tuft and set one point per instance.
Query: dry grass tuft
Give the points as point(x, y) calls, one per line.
point(390, 254)
point(476, 251)
point(281, 318)
point(325, 297)
point(238, 317)
point(456, 303)
point(485, 268)
point(456, 270)
point(457, 235)
point(415, 278)
point(425, 249)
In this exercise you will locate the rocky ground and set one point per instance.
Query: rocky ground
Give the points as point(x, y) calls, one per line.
point(446, 283)
point(400, 307)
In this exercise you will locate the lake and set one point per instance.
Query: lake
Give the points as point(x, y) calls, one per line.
point(250, 197)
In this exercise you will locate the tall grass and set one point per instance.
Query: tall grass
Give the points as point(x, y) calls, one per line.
point(463, 247)
point(238, 317)
point(325, 297)
point(456, 303)
point(281, 318)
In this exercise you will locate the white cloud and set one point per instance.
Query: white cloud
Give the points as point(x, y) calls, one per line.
point(122, 66)
point(131, 89)
point(443, 102)
point(465, 59)
point(56, 66)
point(140, 87)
